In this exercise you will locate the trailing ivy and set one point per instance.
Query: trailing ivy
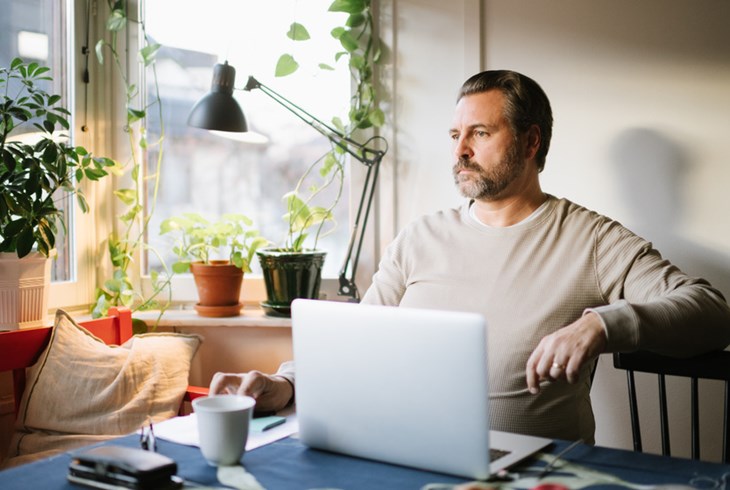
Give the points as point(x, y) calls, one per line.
point(361, 47)
point(130, 242)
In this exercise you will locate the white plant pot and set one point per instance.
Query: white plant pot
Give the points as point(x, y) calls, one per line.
point(24, 285)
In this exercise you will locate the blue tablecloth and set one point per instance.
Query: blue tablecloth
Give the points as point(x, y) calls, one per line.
point(287, 464)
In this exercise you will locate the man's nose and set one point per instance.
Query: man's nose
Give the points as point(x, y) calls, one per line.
point(462, 149)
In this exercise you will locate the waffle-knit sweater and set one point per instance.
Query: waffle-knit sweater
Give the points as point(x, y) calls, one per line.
point(531, 279)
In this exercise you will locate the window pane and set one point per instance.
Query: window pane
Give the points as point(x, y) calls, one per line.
point(211, 175)
point(35, 30)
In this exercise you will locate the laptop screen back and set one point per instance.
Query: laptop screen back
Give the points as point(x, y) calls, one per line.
point(399, 385)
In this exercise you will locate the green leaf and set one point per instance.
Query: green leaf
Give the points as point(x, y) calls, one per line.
point(355, 20)
point(25, 242)
point(297, 32)
point(337, 32)
point(116, 21)
point(357, 62)
point(139, 326)
point(377, 118)
point(127, 196)
point(286, 65)
point(63, 122)
point(147, 54)
point(348, 42)
point(50, 154)
point(348, 6)
point(181, 267)
point(134, 115)
point(9, 160)
point(94, 174)
point(325, 66)
point(113, 285)
point(338, 124)
point(100, 51)
point(82, 202)
point(378, 54)
point(299, 242)
point(101, 307)
point(329, 162)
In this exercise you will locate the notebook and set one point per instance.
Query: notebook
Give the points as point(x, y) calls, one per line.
point(399, 385)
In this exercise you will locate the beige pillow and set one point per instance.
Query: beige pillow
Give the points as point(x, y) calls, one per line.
point(81, 388)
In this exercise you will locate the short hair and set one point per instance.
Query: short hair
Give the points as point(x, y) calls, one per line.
point(526, 104)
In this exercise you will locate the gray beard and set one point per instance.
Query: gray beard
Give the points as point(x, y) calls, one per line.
point(488, 185)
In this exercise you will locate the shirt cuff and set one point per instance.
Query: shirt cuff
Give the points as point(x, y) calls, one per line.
point(621, 325)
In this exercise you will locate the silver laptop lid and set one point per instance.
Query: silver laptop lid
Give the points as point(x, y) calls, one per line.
point(399, 385)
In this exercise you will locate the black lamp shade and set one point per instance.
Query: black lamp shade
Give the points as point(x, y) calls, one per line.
point(218, 110)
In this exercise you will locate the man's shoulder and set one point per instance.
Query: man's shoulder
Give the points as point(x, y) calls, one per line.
point(441, 216)
point(568, 210)
point(571, 214)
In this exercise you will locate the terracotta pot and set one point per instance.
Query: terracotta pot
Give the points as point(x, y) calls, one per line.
point(219, 288)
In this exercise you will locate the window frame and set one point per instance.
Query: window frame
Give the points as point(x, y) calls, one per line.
point(78, 290)
point(93, 105)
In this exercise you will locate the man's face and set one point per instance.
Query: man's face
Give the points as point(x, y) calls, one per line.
point(486, 154)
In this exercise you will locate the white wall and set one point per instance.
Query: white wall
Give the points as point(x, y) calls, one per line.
point(641, 99)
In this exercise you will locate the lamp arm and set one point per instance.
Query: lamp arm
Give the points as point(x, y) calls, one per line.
point(347, 282)
point(364, 155)
point(369, 157)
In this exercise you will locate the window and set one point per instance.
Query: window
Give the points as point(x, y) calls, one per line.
point(38, 31)
point(211, 175)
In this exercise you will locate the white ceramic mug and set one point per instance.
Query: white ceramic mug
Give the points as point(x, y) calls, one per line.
point(223, 422)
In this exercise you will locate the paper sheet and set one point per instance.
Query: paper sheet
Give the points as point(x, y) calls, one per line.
point(184, 430)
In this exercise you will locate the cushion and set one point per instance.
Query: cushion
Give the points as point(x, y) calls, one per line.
point(82, 390)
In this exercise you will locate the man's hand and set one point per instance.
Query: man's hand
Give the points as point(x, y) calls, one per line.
point(562, 354)
point(272, 393)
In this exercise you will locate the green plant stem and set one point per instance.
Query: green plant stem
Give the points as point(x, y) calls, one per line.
point(293, 216)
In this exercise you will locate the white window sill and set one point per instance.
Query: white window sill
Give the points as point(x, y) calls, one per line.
point(188, 317)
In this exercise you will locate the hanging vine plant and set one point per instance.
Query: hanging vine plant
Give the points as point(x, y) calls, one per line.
point(126, 245)
point(361, 48)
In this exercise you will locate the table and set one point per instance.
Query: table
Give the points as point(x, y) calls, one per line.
point(287, 464)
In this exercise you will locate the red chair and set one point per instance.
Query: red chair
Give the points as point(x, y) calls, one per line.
point(22, 348)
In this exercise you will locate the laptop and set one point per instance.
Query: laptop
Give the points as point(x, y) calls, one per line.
point(399, 385)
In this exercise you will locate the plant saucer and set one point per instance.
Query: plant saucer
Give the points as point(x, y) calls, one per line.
point(219, 311)
point(276, 310)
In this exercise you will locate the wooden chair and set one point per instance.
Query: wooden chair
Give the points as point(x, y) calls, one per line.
point(21, 348)
point(715, 365)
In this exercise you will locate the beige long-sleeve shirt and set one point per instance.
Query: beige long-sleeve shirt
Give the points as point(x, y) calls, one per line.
point(530, 279)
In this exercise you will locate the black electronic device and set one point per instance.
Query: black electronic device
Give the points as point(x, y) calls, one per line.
point(117, 467)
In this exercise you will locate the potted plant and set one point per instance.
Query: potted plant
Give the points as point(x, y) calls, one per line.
point(293, 270)
point(217, 253)
point(34, 175)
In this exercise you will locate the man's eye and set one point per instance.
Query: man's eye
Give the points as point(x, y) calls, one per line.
point(481, 134)
point(454, 136)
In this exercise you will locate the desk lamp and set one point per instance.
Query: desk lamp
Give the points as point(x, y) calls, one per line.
point(219, 110)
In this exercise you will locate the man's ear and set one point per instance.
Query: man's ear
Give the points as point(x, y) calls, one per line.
point(532, 141)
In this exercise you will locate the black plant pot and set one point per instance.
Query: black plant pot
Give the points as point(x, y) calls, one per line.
point(289, 275)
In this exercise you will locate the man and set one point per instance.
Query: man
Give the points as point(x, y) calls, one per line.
point(559, 284)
